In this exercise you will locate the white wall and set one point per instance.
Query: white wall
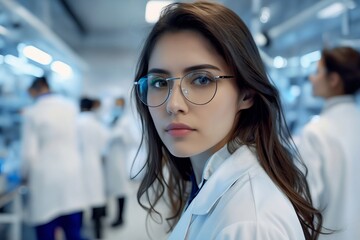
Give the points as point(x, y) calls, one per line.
point(111, 71)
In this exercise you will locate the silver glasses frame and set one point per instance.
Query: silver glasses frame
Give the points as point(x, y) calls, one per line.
point(216, 78)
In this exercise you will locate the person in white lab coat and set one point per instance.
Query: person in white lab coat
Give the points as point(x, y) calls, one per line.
point(51, 163)
point(93, 137)
point(329, 144)
point(213, 120)
point(119, 151)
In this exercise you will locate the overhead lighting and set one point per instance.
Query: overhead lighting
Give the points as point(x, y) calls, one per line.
point(279, 62)
point(261, 39)
point(335, 9)
point(62, 69)
point(23, 67)
point(4, 31)
point(37, 55)
point(332, 10)
point(295, 90)
point(265, 14)
point(153, 10)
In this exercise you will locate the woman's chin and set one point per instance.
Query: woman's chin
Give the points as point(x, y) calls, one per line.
point(182, 152)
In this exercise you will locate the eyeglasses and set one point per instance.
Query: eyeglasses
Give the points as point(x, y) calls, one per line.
point(197, 87)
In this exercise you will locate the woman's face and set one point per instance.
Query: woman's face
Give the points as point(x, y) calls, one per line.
point(320, 82)
point(185, 128)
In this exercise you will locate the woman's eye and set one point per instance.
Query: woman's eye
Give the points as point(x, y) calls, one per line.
point(202, 80)
point(159, 83)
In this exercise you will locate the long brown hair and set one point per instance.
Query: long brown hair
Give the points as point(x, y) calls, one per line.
point(262, 126)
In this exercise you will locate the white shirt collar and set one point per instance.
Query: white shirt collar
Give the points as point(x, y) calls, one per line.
point(329, 103)
point(214, 162)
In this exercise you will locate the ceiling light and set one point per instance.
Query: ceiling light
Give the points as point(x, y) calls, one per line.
point(265, 14)
point(4, 31)
point(332, 10)
point(23, 67)
point(295, 90)
point(62, 69)
point(153, 10)
point(279, 62)
point(37, 55)
point(261, 39)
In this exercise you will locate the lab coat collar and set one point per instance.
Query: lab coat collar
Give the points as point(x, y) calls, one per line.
point(331, 102)
point(214, 162)
point(42, 96)
point(222, 179)
point(88, 114)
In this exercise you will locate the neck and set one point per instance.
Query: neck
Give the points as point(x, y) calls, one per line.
point(198, 161)
point(198, 164)
point(335, 92)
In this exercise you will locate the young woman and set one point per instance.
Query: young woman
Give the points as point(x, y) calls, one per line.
point(212, 118)
point(330, 145)
point(51, 164)
point(93, 138)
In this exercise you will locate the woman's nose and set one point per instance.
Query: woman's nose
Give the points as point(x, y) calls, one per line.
point(176, 102)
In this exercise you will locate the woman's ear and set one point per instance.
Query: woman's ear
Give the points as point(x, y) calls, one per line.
point(336, 83)
point(335, 79)
point(246, 101)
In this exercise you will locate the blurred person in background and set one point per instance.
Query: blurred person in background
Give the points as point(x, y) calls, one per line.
point(93, 137)
point(51, 163)
point(118, 154)
point(329, 144)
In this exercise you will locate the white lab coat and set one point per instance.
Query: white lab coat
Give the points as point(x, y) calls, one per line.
point(330, 147)
point(121, 150)
point(93, 138)
point(239, 201)
point(51, 160)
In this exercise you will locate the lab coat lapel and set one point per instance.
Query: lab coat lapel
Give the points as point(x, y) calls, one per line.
point(182, 226)
point(222, 179)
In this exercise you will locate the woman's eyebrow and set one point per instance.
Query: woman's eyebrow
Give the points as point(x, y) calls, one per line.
point(188, 69)
point(200, 67)
point(158, 70)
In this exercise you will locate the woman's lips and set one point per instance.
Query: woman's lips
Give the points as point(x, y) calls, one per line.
point(178, 129)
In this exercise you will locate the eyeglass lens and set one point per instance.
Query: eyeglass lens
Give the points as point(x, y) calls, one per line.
point(197, 87)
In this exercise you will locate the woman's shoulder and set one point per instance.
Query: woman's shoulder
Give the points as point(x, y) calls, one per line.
point(255, 201)
point(318, 127)
point(262, 193)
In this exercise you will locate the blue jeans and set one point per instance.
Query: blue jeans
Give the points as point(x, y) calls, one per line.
point(71, 225)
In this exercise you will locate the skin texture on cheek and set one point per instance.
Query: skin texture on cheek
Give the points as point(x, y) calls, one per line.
point(221, 126)
point(318, 85)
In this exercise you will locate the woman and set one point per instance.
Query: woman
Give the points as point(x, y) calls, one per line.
point(118, 151)
point(330, 145)
point(213, 120)
point(51, 164)
point(93, 137)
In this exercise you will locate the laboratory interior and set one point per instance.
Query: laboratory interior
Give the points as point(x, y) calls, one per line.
point(88, 51)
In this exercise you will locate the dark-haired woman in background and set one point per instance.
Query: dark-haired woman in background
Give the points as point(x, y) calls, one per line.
point(213, 119)
point(330, 144)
